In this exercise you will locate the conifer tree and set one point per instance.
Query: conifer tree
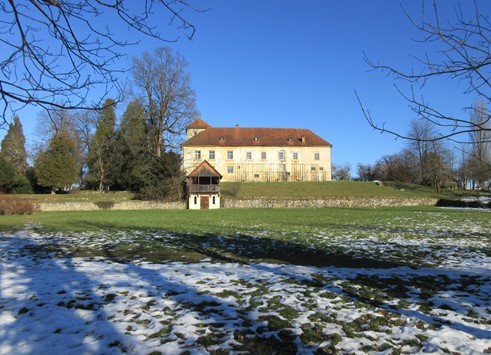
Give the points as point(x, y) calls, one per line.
point(13, 147)
point(6, 175)
point(132, 148)
point(56, 167)
point(101, 156)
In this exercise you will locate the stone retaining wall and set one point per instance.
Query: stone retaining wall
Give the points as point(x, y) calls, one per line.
point(332, 202)
point(110, 205)
point(344, 202)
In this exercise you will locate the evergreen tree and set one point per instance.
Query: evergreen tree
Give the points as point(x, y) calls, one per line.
point(56, 167)
point(13, 147)
point(162, 177)
point(101, 156)
point(131, 146)
point(7, 175)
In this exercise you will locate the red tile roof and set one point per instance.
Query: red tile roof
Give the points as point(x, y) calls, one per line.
point(198, 124)
point(271, 137)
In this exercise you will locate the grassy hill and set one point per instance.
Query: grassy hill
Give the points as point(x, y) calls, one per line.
point(269, 190)
point(329, 189)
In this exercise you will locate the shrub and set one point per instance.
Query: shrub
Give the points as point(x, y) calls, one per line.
point(17, 207)
point(21, 185)
point(105, 205)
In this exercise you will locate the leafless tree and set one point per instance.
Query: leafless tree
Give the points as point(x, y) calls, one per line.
point(55, 52)
point(465, 57)
point(480, 155)
point(167, 94)
point(341, 172)
point(367, 172)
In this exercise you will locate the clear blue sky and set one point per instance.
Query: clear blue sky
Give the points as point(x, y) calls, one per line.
point(296, 64)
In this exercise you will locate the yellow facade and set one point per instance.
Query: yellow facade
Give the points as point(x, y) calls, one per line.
point(258, 154)
point(263, 163)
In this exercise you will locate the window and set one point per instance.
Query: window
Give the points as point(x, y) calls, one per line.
point(263, 155)
point(295, 155)
point(211, 154)
point(249, 155)
point(281, 155)
point(195, 200)
point(321, 168)
point(213, 200)
point(230, 169)
point(312, 168)
point(256, 176)
point(230, 154)
point(197, 154)
point(317, 156)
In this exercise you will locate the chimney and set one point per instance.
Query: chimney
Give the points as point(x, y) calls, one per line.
point(236, 125)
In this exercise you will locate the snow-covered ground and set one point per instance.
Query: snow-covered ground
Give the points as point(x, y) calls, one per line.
point(68, 305)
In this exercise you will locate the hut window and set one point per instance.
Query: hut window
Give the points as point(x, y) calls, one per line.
point(213, 201)
point(195, 200)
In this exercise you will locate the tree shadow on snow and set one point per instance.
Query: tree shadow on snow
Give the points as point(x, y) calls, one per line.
point(48, 306)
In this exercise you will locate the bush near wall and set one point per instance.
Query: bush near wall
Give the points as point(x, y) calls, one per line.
point(17, 207)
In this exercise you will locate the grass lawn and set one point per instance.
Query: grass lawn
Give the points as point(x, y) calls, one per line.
point(332, 189)
point(283, 235)
point(252, 281)
point(309, 190)
point(75, 196)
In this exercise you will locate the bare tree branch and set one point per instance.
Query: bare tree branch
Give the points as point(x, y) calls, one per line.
point(55, 53)
point(466, 57)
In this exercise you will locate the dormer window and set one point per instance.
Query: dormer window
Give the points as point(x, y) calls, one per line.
point(221, 139)
point(256, 139)
point(289, 139)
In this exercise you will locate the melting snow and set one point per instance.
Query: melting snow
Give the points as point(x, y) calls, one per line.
point(81, 306)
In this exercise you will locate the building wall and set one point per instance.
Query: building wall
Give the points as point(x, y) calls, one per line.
point(194, 201)
point(248, 163)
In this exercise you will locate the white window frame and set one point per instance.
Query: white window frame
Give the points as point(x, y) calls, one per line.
point(230, 154)
point(211, 155)
point(281, 155)
point(197, 154)
point(317, 156)
point(248, 155)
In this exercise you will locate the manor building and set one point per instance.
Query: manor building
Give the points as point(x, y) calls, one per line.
point(258, 154)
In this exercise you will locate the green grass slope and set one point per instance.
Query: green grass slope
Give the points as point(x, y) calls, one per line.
point(328, 189)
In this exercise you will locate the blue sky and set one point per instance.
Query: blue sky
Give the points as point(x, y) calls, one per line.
point(297, 63)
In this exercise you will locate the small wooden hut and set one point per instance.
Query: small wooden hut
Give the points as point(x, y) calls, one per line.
point(204, 187)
